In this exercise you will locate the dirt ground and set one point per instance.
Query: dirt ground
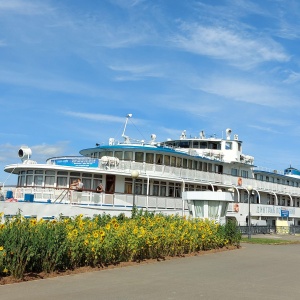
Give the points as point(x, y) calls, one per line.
point(36, 276)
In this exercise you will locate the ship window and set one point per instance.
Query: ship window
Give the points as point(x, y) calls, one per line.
point(204, 167)
point(163, 189)
point(184, 163)
point(158, 159)
point(38, 180)
point(200, 165)
point(178, 190)
point(173, 161)
point(195, 144)
point(50, 172)
point(155, 189)
point(244, 174)
point(29, 172)
point(185, 144)
point(149, 158)
point(139, 186)
point(128, 186)
point(38, 172)
point(96, 182)
point(278, 180)
point(209, 167)
point(49, 180)
point(194, 165)
point(234, 172)
point(239, 147)
point(228, 145)
point(190, 164)
point(87, 183)
point(22, 172)
point(87, 175)
point(29, 179)
point(21, 180)
point(171, 189)
point(75, 174)
point(167, 160)
point(128, 155)
point(214, 145)
point(61, 181)
point(139, 156)
point(62, 173)
point(203, 145)
point(178, 162)
point(119, 154)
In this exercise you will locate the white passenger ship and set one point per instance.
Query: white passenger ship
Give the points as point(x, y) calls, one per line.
point(155, 176)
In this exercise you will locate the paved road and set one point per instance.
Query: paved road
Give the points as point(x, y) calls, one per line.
point(253, 272)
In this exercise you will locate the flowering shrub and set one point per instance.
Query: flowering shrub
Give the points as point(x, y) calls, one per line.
point(28, 245)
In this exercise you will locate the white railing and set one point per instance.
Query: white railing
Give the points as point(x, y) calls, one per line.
point(201, 177)
point(87, 198)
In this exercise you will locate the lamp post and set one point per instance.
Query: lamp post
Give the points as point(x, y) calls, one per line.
point(250, 189)
point(134, 174)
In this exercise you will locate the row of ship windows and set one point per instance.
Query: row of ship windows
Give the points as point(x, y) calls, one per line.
point(61, 180)
point(168, 160)
point(276, 180)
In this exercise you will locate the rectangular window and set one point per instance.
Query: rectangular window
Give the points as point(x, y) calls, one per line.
point(49, 181)
point(171, 189)
point(38, 180)
point(149, 158)
point(203, 145)
point(158, 159)
point(163, 189)
point(234, 172)
point(155, 189)
point(244, 174)
point(228, 145)
point(173, 161)
point(196, 144)
point(139, 156)
point(184, 163)
point(128, 155)
point(119, 154)
point(167, 160)
point(128, 186)
point(178, 162)
point(29, 179)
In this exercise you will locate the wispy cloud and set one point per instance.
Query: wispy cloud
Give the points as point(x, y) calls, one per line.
point(237, 48)
point(137, 72)
point(246, 91)
point(266, 129)
point(95, 117)
point(23, 7)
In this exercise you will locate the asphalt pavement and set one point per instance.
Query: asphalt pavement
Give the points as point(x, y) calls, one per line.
point(252, 272)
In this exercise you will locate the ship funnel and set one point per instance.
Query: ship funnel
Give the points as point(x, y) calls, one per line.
point(228, 133)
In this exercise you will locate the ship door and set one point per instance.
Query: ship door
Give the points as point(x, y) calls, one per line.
point(110, 184)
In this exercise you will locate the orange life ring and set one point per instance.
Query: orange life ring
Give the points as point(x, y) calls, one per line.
point(240, 181)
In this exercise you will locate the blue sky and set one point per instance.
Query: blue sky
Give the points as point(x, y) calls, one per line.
point(71, 70)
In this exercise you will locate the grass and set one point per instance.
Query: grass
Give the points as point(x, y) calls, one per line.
point(268, 241)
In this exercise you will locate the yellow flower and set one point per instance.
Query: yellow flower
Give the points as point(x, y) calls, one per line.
point(107, 226)
point(95, 234)
point(5, 270)
point(1, 248)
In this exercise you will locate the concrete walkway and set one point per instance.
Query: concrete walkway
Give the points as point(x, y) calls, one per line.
point(253, 272)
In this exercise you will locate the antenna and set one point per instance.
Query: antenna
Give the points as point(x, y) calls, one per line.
point(123, 134)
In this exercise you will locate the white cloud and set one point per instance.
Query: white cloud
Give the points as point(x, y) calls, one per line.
point(266, 129)
point(239, 49)
point(95, 117)
point(246, 91)
point(23, 7)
